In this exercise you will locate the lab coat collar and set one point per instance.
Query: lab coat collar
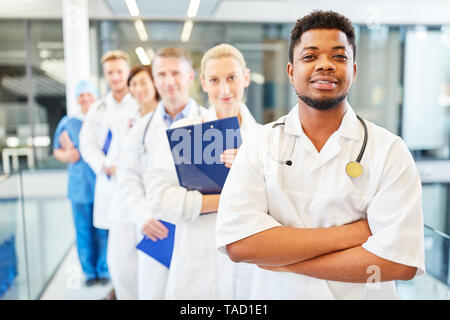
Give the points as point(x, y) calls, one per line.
point(292, 123)
point(191, 109)
point(349, 127)
point(194, 109)
point(247, 119)
point(79, 116)
point(159, 113)
point(158, 108)
point(125, 100)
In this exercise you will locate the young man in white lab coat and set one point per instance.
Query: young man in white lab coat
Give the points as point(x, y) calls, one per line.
point(102, 125)
point(292, 206)
point(172, 75)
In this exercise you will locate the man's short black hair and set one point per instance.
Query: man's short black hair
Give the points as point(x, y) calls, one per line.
point(319, 19)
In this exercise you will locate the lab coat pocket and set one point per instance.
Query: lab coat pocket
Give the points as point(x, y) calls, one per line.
point(335, 209)
point(272, 173)
point(318, 210)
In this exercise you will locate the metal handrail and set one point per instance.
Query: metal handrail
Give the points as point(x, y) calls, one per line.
point(443, 234)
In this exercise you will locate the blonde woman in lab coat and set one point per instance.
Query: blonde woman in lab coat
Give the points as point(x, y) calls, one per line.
point(198, 270)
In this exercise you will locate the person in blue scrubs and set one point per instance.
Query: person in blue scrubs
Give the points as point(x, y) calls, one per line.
point(91, 242)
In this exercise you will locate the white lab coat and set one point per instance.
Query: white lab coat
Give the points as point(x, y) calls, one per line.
point(122, 236)
point(132, 180)
point(315, 191)
point(198, 270)
point(105, 115)
point(119, 209)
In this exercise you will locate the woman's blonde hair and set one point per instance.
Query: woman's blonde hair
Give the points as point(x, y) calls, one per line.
point(222, 51)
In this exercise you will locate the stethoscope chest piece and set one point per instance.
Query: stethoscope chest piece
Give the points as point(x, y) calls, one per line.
point(353, 169)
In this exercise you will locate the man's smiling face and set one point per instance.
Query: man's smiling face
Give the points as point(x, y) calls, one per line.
point(323, 69)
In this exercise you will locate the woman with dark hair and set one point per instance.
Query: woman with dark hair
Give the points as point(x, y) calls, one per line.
point(122, 253)
point(140, 83)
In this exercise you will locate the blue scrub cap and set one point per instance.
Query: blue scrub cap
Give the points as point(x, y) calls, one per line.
point(85, 86)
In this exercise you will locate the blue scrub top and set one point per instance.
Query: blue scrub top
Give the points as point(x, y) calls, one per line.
point(81, 184)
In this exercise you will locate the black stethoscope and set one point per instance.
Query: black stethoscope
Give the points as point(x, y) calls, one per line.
point(353, 168)
point(143, 148)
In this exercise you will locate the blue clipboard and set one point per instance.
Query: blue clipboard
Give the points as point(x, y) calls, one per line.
point(196, 152)
point(106, 145)
point(160, 250)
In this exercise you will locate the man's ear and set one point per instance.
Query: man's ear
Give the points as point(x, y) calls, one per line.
point(290, 71)
point(354, 73)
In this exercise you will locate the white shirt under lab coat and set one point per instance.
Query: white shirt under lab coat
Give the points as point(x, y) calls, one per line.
point(106, 115)
point(198, 270)
point(315, 191)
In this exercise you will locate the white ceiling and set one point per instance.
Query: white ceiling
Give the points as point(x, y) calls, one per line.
point(164, 9)
point(433, 12)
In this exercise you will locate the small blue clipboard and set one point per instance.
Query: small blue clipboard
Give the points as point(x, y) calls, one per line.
point(160, 250)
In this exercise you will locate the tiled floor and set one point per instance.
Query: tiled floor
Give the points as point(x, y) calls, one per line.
point(68, 283)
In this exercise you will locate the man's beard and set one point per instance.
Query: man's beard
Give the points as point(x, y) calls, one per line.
point(322, 104)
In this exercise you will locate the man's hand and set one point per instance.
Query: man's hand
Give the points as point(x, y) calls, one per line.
point(155, 229)
point(228, 156)
point(72, 155)
point(68, 155)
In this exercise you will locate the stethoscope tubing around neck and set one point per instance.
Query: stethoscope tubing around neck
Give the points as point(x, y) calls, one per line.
point(143, 148)
point(363, 147)
point(288, 161)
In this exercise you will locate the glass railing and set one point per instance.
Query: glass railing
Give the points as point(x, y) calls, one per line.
point(36, 231)
point(434, 285)
point(13, 271)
